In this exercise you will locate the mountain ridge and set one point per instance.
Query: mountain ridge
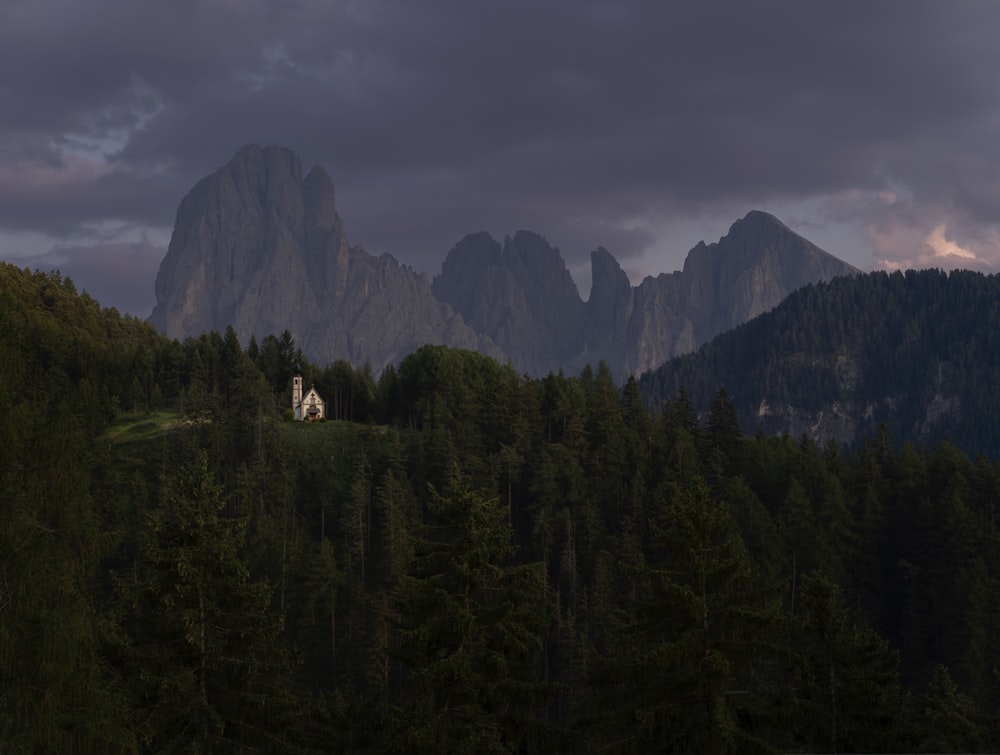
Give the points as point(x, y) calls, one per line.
point(260, 247)
point(915, 353)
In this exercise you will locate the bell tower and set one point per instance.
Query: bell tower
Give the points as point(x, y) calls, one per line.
point(297, 395)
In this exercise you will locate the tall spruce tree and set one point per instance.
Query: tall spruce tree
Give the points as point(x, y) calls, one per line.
point(846, 692)
point(682, 665)
point(206, 665)
point(470, 626)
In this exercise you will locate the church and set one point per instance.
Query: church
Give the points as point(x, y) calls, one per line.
point(308, 408)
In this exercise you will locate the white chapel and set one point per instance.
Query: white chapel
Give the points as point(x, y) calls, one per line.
point(310, 407)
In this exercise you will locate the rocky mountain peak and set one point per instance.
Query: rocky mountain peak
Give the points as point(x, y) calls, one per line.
point(258, 246)
point(759, 231)
point(541, 262)
point(466, 270)
point(269, 178)
point(229, 230)
point(757, 220)
point(749, 271)
point(520, 295)
point(610, 288)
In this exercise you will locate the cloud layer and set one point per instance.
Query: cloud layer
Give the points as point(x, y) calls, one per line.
point(592, 122)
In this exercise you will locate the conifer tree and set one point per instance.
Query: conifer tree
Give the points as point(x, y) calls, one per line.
point(206, 664)
point(682, 666)
point(949, 721)
point(847, 694)
point(470, 627)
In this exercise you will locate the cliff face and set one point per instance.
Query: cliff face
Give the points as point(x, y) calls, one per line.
point(260, 247)
point(748, 272)
point(520, 295)
point(237, 242)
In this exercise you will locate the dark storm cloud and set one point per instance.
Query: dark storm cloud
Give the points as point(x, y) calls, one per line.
point(590, 122)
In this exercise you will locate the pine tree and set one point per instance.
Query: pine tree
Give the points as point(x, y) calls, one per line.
point(470, 624)
point(847, 695)
point(682, 666)
point(209, 671)
point(950, 720)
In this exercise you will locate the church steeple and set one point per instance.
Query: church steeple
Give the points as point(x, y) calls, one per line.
point(297, 395)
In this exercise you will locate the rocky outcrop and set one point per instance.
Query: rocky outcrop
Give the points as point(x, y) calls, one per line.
point(259, 247)
point(660, 327)
point(610, 303)
point(520, 295)
point(748, 272)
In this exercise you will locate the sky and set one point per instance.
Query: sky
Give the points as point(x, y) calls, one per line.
point(643, 126)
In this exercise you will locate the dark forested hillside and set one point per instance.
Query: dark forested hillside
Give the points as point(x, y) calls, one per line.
point(462, 559)
point(68, 367)
point(917, 352)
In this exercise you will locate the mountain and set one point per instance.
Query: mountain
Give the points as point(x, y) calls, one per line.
point(749, 271)
point(260, 247)
point(917, 353)
point(523, 298)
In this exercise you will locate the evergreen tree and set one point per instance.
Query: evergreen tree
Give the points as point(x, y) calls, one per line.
point(683, 668)
point(206, 665)
point(469, 624)
point(949, 721)
point(847, 694)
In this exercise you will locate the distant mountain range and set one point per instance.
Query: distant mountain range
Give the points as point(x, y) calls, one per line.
point(259, 246)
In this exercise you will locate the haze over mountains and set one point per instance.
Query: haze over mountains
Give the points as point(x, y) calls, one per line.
point(259, 245)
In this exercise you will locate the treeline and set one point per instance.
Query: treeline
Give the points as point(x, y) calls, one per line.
point(468, 560)
point(917, 352)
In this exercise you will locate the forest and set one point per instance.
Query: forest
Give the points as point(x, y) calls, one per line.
point(891, 345)
point(462, 559)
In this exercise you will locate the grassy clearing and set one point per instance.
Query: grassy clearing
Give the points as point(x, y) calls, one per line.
point(145, 427)
point(300, 436)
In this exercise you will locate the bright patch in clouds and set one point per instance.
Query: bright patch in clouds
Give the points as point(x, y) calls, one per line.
point(942, 247)
point(902, 242)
